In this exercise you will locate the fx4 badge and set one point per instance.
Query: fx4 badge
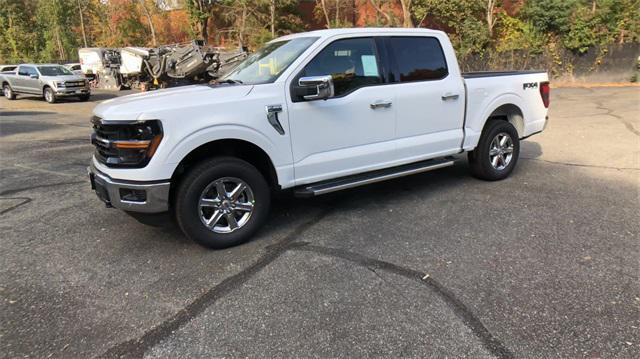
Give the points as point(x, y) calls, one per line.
point(529, 85)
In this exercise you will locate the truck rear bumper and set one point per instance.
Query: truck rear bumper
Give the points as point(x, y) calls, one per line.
point(147, 197)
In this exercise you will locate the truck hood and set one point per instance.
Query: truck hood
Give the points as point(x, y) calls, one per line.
point(127, 108)
point(64, 78)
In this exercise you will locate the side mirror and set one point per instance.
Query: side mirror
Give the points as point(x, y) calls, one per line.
point(323, 86)
point(33, 76)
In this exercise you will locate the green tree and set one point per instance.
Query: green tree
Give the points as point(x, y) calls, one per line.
point(56, 21)
point(18, 36)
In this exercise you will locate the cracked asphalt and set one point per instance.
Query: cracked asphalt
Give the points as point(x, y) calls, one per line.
point(543, 264)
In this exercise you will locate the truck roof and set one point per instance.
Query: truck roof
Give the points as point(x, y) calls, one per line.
point(360, 30)
point(39, 65)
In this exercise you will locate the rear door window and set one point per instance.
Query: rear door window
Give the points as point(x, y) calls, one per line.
point(23, 71)
point(417, 58)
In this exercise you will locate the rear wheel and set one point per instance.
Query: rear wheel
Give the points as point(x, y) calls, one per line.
point(49, 95)
point(8, 92)
point(497, 152)
point(222, 202)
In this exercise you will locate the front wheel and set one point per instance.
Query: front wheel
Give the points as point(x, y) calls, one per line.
point(49, 95)
point(8, 92)
point(222, 202)
point(84, 98)
point(497, 152)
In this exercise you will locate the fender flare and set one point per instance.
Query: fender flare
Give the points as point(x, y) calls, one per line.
point(502, 100)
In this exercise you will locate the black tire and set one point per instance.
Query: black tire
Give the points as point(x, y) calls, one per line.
point(8, 92)
point(480, 160)
point(188, 211)
point(84, 98)
point(49, 95)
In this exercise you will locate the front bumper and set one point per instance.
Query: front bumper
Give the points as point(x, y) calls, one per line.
point(152, 197)
point(72, 91)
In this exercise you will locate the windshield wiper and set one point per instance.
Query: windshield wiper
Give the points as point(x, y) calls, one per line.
point(229, 81)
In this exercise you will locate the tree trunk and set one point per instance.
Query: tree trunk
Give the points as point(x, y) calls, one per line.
point(243, 21)
point(491, 19)
point(323, 5)
point(61, 53)
point(406, 13)
point(272, 10)
point(204, 29)
point(84, 34)
point(337, 21)
point(150, 20)
point(380, 11)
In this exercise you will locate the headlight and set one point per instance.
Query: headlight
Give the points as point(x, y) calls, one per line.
point(60, 84)
point(126, 145)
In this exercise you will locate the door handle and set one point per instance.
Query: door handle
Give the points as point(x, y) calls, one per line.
point(449, 96)
point(380, 104)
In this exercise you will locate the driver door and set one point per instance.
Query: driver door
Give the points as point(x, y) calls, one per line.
point(352, 131)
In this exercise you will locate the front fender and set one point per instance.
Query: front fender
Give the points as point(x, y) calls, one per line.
point(222, 132)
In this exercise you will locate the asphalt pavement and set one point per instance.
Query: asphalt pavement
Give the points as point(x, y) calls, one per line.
point(542, 264)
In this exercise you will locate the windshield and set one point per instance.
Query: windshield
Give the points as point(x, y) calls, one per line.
point(54, 70)
point(266, 64)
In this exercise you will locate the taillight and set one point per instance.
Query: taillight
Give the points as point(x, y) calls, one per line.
point(545, 91)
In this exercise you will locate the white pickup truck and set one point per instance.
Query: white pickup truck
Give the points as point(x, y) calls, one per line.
point(314, 112)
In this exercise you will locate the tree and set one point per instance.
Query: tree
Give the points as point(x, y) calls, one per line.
point(54, 19)
point(382, 8)
point(491, 18)
point(406, 13)
point(147, 14)
point(334, 12)
point(199, 14)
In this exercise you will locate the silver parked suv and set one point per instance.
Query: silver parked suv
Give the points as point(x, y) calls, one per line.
point(49, 81)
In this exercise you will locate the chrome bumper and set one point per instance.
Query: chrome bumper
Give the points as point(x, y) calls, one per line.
point(109, 191)
point(72, 92)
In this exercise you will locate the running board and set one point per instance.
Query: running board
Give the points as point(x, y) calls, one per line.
point(362, 179)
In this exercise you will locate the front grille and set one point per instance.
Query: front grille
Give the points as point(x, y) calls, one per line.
point(74, 84)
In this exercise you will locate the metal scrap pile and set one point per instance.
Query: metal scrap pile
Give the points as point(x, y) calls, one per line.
point(164, 66)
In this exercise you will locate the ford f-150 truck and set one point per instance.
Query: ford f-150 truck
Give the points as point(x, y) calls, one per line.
point(50, 81)
point(313, 112)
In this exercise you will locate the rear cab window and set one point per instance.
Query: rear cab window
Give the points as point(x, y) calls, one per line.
point(416, 58)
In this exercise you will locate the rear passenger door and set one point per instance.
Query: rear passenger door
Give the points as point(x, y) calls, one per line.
point(429, 99)
point(19, 80)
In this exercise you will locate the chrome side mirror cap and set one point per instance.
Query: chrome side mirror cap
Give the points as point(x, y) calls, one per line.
point(323, 84)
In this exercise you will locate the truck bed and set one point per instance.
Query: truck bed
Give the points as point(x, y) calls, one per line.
point(489, 90)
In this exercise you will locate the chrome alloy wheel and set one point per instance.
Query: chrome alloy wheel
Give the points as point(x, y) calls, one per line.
point(7, 91)
point(501, 151)
point(226, 205)
point(48, 95)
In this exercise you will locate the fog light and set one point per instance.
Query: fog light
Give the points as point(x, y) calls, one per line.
point(133, 195)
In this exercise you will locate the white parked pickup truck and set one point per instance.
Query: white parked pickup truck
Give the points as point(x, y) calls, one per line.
point(314, 112)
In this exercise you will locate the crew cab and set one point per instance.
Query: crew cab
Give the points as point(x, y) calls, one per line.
point(313, 112)
point(50, 81)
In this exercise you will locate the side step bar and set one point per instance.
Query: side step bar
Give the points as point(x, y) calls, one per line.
point(362, 179)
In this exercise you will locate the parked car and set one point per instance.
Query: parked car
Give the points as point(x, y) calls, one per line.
point(75, 68)
point(314, 112)
point(48, 80)
point(7, 68)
